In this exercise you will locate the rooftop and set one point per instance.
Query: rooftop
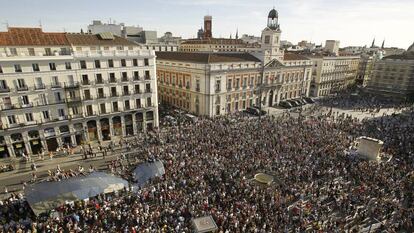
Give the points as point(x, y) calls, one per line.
point(404, 56)
point(32, 37)
point(214, 41)
point(206, 57)
point(293, 56)
point(90, 39)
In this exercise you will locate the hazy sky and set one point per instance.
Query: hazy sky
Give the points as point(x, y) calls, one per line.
point(353, 22)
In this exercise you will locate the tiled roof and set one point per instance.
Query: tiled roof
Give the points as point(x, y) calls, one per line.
point(293, 56)
point(206, 57)
point(31, 37)
point(90, 39)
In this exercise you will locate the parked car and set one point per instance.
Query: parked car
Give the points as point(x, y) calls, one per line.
point(309, 100)
point(285, 104)
point(261, 111)
point(293, 103)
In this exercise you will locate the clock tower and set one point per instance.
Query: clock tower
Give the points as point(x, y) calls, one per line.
point(271, 39)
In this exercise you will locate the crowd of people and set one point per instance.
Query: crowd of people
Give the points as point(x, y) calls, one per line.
point(210, 167)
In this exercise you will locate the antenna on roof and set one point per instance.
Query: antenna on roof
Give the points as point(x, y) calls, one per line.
point(40, 23)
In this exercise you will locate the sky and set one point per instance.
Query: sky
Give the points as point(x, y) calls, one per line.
point(352, 22)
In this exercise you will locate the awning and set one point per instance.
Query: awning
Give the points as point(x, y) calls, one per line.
point(147, 171)
point(50, 195)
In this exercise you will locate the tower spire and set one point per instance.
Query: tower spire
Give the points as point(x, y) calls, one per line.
point(383, 42)
point(237, 33)
point(373, 43)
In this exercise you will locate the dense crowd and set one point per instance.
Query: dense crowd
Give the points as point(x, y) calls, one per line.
point(209, 170)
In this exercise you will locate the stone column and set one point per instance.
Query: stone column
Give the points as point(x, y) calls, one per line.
point(123, 126)
point(134, 124)
point(58, 137)
point(27, 143)
point(144, 122)
point(9, 145)
point(111, 127)
point(72, 135)
point(85, 133)
point(43, 140)
point(99, 130)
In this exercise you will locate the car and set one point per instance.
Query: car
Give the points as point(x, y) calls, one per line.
point(298, 102)
point(293, 103)
point(262, 112)
point(302, 101)
point(309, 100)
point(285, 104)
point(252, 111)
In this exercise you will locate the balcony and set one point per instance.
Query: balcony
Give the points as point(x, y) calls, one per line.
point(40, 86)
point(22, 88)
point(114, 94)
point(56, 85)
point(136, 78)
point(101, 96)
point(147, 77)
point(71, 85)
point(99, 81)
point(124, 79)
point(126, 93)
point(112, 80)
point(187, 87)
point(87, 97)
point(4, 89)
point(75, 116)
point(86, 82)
point(229, 88)
point(137, 92)
point(148, 90)
point(88, 114)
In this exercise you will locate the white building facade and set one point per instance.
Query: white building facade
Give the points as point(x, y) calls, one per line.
point(59, 88)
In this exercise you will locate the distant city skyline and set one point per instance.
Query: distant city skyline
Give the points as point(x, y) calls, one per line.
point(353, 22)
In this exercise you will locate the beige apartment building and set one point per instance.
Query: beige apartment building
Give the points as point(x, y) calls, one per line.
point(62, 88)
point(393, 75)
point(332, 73)
point(219, 83)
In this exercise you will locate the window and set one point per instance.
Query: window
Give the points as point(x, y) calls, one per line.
point(127, 106)
point(61, 112)
point(17, 68)
point(12, 119)
point(55, 81)
point(110, 63)
point(21, 83)
point(1, 70)
point(147, 75)
point(52, 66)
point(99, 79)
point(83, 64)
point(48, 52)
point(46, 115)
point(138, 103)
point(112, 78)
point(123, 62)
point(29, 116)
point(3, 84)
point(42, 99)
point(97, 64)
point(136, 75)
point(135, 62)
point(35, 67)
point(58, 97)
point(126, 91)
point(13, 51)
point(85, 80)
point(113, 91)
point(89, 110)
point(25, 100)
point(75, 110)
point(146, 62)
point(103, 108)
point(31, 51)
point(197, 85)
point(101, 93)
point(68, 65)
point(267, 39)
point(115, 107)
point(124, 76)
point(147, 88)
point(87, 94)
point(149, 104)
point(137, 91)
